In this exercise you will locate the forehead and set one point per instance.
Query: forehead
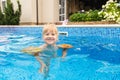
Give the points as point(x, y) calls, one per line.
point(50, 31)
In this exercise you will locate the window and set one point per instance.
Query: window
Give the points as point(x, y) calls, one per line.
point(62, 10)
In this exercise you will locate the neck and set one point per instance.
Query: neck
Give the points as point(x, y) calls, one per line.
point(50, 44)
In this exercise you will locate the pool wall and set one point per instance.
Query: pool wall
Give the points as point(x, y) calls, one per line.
point(86, 30)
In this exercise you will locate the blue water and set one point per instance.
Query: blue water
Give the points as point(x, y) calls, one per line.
point(95, 55)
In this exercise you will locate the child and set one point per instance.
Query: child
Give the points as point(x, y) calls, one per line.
point(49, 49)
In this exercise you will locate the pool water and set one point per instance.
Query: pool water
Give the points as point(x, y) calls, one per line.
point(95, 55)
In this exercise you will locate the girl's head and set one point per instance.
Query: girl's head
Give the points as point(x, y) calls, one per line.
point(50, 34)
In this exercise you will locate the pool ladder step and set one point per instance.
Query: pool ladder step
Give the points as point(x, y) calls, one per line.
point(63, 33)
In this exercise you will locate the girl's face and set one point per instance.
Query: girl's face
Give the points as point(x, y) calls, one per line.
point(50, 37)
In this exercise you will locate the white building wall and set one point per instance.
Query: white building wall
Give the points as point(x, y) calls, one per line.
point(28, 8)
point(56, 10)
point(48, 11)
point(28, 11)
point(40, 11)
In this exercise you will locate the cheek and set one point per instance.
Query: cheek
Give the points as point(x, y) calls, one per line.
point(56, 37)
point(44, 37)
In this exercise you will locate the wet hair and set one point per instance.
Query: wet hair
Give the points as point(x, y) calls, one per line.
point(51, 28)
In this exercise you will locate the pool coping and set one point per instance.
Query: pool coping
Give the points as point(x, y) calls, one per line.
point(97, 25)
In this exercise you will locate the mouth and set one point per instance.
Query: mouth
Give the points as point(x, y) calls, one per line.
point(50, 39)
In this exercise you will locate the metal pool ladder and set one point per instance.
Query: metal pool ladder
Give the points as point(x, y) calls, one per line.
point(63, 33)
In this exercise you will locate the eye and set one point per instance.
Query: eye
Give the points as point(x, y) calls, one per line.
point(53, 34)
point(47, 34)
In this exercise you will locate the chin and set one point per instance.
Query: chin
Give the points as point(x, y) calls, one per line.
point(50, 43)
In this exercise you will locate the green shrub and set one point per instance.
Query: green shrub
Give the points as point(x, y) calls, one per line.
point(92, 15)
point(87, 16)
point(76, 17)
point(10, 16)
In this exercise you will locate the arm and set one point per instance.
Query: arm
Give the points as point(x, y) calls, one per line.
point(43, 65)
point(39, 60)
point(64, 53)
point(65, 47)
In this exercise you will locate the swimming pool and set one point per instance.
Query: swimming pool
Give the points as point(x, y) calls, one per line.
point(95, 55)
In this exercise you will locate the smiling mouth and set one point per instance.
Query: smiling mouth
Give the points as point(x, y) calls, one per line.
point(50, 39)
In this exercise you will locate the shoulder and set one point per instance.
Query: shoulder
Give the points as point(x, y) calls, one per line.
point(56, 46)
point(42, 46)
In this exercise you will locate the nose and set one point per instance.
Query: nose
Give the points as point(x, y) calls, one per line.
point(50, 36)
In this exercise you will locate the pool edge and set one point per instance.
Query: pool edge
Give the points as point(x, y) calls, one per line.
point(98, 25)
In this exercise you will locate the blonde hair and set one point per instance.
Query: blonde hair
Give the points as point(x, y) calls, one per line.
point(50, 27)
